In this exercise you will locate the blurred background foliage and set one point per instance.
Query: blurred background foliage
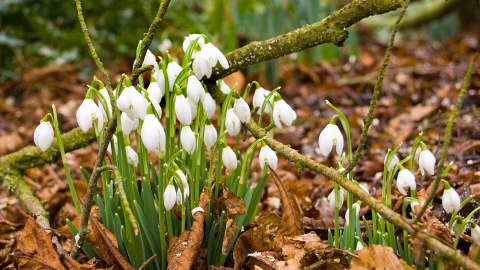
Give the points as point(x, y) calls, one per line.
point(46, 32)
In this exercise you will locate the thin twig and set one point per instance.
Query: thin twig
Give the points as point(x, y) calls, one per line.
point(110, 130)
point(447, 139)
point(147, 40)
point(367, 122)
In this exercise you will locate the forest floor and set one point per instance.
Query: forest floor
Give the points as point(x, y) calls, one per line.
point(420, 89)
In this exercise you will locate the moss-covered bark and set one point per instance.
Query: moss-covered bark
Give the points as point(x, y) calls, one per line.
point(329, 30)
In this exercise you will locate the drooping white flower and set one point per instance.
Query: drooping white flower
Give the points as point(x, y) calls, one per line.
point(456, 226)
point(88, 112)
point(259, 98)
point(128, 125)
point(182, 110)
point(133, 103)
point(426, 161)
point(229, 158)
point(476, 235)
point(153, 134)
point(232, 123)
point(347, 213)
point(193, 108)
point(241, 109)
point(451, 199)
point(329, 137)
point(267, 155)
point(393, 161)
point(195, 90)
point(150, 59)
point(173, 69)
point(132, 157)
point(43, 135)
point(189, 39)
point(187, 138)
point(333, 200)
point(105, 95)
point(206, 59)
point(405, 179)
point(183, 183)
point(155, 93)
point(169, 197)
point(210, 136)
point(224, 87)
point(209, 105)
point(359, 246)
point(283, 113)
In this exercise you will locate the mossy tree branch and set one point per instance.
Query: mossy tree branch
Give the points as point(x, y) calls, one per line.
point(147, 40)
point(329, 30)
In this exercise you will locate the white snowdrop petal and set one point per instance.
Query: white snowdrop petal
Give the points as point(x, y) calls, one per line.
point(187, 138)
point(43, 135)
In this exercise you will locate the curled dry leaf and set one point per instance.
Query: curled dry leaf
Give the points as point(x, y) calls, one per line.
point(378, 257)
point(321, 256)
point(291, 224)
point(230, 231)
point(233, 204)
point(182, 253)
point(266, 260)
point(35, 250)
point(252, 241)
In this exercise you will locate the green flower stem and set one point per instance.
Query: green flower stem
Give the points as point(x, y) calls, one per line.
point(414, 150)
point(390, 215)
point(336, 235)
point(447, 138)
point(125, 202)
point(58, 135)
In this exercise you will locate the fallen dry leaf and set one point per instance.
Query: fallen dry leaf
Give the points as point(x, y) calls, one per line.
point(378, 257)
point(254, 240)
point(35, 250)
point(399, 128)
point(181, 254)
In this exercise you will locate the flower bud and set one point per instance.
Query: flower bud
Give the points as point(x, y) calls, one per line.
point(43, 135)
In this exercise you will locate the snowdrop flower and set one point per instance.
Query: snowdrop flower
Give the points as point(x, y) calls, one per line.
point(241, 109)
point(165, 45)
point(393, 161)
point(189, 39)
point(206, 59)
point(105, 95)
point(169, 197)
point(450, 200)
point(334, 200)
point(151, 60)
point(426, 161)
point(282, 112)
point(193, 108)
point(224, 87)
point(329, 137)
point(173, 69)
point(457, 224)
point(109, 148)
point(155, 92)
point(405, 179)
point(476, 234)
point(88, 112)
point(347, 214)
point(259, 98)
point(229, 158)
point(153, 135)
point(267, 155)
point(182, 110)
point(188, 139)
point(359, 246)
point(184, 184)
point(232, 123)
point(210, 135)
point(43, 135)
point(133, 103)
point(128, 125)
point(209, 105)
point(195, 91)
point(132, 156)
